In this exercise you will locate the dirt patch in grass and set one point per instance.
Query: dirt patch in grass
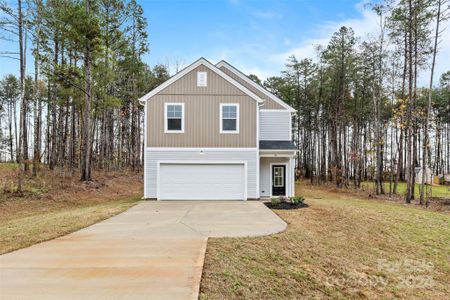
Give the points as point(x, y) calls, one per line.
point(341, 247)
point(53, 205)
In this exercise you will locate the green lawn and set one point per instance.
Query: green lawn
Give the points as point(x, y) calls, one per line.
point(437, 190)
point(340, 247)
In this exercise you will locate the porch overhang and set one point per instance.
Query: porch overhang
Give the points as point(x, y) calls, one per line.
point(277, 149)
point(277, 153)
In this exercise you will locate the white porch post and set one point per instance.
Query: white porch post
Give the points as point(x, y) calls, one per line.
point(292, 176)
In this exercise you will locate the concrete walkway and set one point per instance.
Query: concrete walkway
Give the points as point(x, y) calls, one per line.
point(155, 250)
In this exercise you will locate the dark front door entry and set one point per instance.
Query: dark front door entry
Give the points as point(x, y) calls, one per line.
point(278, 180)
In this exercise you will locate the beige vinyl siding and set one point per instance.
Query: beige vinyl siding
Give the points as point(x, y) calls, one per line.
point(202, 121)
point(187, 85)
point(268, 103)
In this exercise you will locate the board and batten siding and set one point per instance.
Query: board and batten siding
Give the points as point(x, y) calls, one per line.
point(187, 85)
point(268, 103)
point(152, 156)
point(202, 113)
point(201, 122)
point(274, 125)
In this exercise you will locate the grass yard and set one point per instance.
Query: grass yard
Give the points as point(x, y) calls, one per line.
point(437, 190)
point(343, 246)
point(52, 206)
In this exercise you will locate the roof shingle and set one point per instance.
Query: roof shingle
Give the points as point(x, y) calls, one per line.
point(277, 145)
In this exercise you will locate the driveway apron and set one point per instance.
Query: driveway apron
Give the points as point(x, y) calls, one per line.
point(155, 250)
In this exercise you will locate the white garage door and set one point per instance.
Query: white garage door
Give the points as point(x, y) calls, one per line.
point(201, 182)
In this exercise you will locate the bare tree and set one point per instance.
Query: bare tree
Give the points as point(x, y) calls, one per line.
point(425, 152)
point(86, 155)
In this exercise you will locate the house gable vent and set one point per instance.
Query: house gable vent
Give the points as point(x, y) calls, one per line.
point(202, 79)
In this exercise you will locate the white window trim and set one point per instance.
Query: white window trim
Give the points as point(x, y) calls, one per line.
point(237, 118)
point(166, 130)
point(287, 181)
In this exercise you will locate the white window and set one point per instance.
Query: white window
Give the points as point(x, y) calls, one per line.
point(229, 118)
point(202, 79)
point(174, 117)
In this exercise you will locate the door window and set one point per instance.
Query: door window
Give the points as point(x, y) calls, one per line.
point(278, 176)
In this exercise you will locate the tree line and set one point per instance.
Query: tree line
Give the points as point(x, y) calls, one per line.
point(79, 109)
point(365, 110)
point(361, 112)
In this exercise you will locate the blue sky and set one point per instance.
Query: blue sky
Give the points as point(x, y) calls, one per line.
point(255, 36)
point(249, 34)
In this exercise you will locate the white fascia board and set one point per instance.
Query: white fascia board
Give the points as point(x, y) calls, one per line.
point(201, 162)
point(191, 67)
point(277, 150)
point(277, 153)
point(197, 149)
point(274, 111)
point(255, 85)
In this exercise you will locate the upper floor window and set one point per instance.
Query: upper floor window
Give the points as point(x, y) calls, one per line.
point(174, 117)
point(229, 118)
point(202, 79)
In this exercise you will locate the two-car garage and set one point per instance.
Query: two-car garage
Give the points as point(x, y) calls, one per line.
point(201, 180)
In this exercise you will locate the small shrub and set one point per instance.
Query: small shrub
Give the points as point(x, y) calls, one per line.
point(296, 200)
point(284, 199)
point(275, 200)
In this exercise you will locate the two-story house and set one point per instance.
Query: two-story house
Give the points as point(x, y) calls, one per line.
point(211, 133)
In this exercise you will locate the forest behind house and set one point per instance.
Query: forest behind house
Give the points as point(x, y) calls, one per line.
point(369, 108)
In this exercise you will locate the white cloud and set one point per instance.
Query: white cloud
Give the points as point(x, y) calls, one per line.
point(262, 74)
point(246, 56)
point(365, 25)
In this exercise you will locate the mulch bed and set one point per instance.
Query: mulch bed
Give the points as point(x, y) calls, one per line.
point(284, 205)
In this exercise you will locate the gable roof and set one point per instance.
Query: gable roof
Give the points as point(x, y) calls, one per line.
point(204, 62)
point(225, 64)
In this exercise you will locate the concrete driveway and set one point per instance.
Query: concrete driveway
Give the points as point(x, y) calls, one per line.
point(155, 250)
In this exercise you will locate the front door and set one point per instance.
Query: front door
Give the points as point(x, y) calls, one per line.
point(278, 180)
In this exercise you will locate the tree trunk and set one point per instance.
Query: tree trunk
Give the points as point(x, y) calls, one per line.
point(428, 112)
point(85, 158)
point(409, 160)
point(36, 110)
point(22, 122)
